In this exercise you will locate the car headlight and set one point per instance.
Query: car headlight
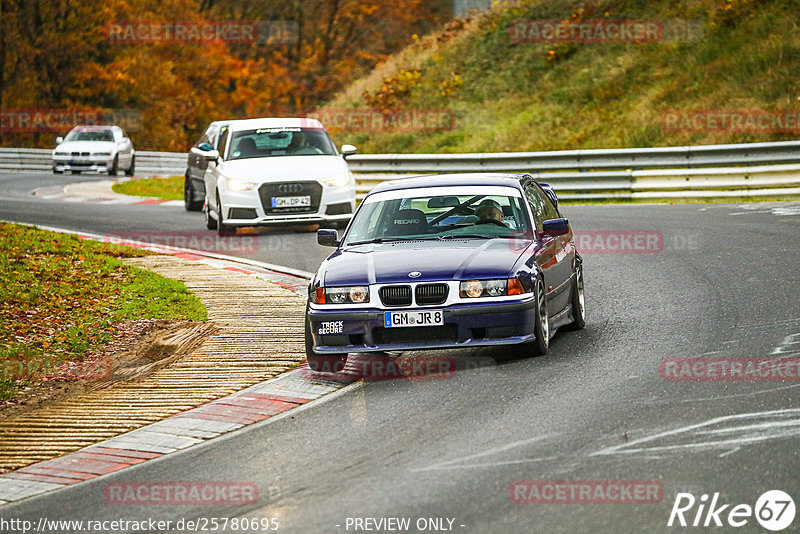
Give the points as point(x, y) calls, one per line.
point(61, 153)
point(341, 295)
point(491, 288)
point(101, 154)
point(337, 181)
point(239, 185)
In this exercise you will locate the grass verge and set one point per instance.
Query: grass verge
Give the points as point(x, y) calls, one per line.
point(169, 188)
point(61, 297)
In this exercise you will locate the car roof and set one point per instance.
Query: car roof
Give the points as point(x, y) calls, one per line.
point(437, 180)
point(93, 128)
point(272, 122)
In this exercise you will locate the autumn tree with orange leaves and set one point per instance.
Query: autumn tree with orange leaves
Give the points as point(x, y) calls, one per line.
point(57, 54)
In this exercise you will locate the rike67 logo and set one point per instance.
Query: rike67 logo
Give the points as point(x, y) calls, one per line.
point(774, 510)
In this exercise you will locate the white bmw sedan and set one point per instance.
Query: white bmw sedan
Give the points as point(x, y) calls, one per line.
point(94, 148)
point(276, 171)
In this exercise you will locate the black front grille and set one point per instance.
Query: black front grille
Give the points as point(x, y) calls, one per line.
point(290, 189)
point(242, 213)
point(395, 295)
point(79, 153)
point(430, 334)
point(430, 294)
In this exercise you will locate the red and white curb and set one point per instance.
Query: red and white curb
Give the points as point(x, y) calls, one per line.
point(256, 403)
point(251, 405)
point(98, 192)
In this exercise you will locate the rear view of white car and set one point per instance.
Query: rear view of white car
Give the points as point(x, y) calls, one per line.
point(275, 171)
point(94, 148)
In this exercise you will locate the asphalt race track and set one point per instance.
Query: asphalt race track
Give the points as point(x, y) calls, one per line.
point(723, 283)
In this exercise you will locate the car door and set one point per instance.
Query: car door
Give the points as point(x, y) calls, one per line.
point(211, 172)
point(197, 163)
point(555, 254)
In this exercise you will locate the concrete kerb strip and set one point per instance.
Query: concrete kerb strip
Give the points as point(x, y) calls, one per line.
point(184, 430)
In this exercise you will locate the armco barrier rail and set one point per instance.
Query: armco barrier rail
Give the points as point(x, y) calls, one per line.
point(689, 171)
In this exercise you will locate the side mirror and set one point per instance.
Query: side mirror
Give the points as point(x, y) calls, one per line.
point(211, 155)
point(555, 227)
point(348, 150)
point(59, 140)
point(328, 238)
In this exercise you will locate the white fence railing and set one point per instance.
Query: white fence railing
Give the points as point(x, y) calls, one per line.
point(758, 168)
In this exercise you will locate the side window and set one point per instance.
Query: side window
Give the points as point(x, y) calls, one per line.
point(550, 211)
point(223, 139)
point(536, 204)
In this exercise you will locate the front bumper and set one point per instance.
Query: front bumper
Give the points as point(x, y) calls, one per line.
point(465, 325)
point(90, 164)
point(247, 208)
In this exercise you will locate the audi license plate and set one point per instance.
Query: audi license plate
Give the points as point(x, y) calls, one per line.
point(291, 202)
point(413, 318)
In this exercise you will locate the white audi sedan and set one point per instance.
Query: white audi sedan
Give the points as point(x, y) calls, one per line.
point(274, 171)
point(94, 148)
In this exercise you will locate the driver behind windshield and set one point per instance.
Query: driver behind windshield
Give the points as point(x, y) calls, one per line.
point(489, 213)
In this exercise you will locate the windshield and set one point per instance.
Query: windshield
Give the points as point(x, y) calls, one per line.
point(268, 142)
point(490, 212)
point(90, 135)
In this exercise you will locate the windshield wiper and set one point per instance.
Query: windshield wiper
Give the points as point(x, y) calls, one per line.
point(469, 236)
point(390, 240)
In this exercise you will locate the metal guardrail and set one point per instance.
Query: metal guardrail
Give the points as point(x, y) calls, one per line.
point(578, 174)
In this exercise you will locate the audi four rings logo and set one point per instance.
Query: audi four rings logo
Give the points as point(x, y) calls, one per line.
point(415, 274)
point(290, 188)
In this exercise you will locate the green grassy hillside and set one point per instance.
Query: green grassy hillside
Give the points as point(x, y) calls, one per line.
point(512, 96)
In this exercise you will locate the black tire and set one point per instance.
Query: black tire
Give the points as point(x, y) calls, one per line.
point(114, 166)
point(223, 229)
point(211, 223)
point(132, 169)
point(189, 203)
point(317, 362)
point(578, 302)
point(541, 345)
point(75, 172)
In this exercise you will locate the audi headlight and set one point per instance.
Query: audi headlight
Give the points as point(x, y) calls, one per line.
point(338, 180)
point(239, 185)
point(341, 295)
point(491, 288)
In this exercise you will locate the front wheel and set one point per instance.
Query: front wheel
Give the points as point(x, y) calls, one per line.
point(541, 326)
point(112, 171)
point(578, 302)
point(222, 229)
point(132, 169)
point(317, 362)
point(211, 222)
point(189, 203)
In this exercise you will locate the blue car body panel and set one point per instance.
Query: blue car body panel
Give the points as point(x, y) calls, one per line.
point(347, 328)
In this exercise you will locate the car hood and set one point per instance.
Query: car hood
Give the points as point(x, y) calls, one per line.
point(283, 168)
point(387, 263)
point(87, 146)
